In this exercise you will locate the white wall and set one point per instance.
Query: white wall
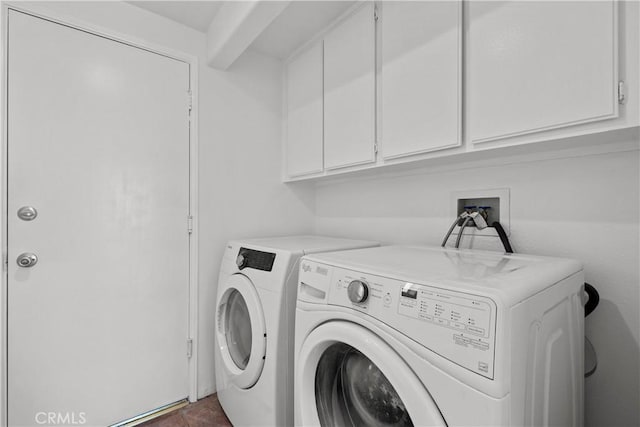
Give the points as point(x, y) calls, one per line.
point(240, 189)
point(241, 192)
point(585, 208)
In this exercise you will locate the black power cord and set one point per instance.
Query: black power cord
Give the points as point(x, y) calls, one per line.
point(503, 237)
point(593, 301)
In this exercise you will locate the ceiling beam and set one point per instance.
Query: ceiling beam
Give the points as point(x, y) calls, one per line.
point(236, 25)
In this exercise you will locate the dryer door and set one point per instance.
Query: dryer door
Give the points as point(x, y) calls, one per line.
point(241, 332)
point(348, 376)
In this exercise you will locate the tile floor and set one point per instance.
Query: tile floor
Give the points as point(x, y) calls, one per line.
point(203, 413)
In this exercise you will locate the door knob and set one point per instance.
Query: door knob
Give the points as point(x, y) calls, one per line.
point(27, 213)
point(27, 260)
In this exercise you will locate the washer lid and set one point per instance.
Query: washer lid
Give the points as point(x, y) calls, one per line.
point(241, 331)
point(347, 375)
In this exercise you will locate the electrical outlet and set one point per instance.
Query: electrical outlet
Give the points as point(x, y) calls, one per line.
point(496, 203)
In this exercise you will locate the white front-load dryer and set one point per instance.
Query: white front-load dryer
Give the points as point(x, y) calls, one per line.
point(255, 322)
point(430, 336)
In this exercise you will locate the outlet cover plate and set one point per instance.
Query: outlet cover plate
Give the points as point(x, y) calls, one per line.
point(505, 215)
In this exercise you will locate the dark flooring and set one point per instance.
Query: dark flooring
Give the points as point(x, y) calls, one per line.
point(203, 413)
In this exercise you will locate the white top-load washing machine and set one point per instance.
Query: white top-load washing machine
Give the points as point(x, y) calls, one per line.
point(255, 323)
point(431, 336)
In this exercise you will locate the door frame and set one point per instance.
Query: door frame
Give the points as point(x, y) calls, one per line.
point(192, 61)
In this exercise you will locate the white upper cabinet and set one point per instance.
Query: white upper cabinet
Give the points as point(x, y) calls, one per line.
point(367, 93)
point(304, 113)
point(420, 102)
point(349, 90)
point(535, 66)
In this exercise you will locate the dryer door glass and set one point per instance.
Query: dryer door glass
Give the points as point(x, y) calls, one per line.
point(241, 334)
point(352, 391)
point(238, 330)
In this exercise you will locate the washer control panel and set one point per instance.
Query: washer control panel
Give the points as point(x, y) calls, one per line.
point(457, 325)
point(452, 310)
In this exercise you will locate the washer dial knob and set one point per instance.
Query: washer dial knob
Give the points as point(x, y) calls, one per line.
point(241, 261)
point(358, 291)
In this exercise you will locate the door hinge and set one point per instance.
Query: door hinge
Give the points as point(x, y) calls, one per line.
point(621, 97)
point(190, 101)
point(189, 348)
point(190, 224)
point(375, 148)
point(375, 13)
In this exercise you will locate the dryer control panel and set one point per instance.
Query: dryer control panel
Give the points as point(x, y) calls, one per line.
point(456, 325)
point(252, 258)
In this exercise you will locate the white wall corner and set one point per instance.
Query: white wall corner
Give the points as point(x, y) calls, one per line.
point(236, 26)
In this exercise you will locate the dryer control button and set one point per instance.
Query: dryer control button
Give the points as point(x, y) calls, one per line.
point(358, 291)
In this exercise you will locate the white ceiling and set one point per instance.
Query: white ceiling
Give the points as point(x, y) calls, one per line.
point(195, 14)
point(298, 23)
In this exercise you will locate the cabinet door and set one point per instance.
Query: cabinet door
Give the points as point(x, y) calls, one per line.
point(538, 65)
point(304, 113)
point(421, 76)
point(349, 91)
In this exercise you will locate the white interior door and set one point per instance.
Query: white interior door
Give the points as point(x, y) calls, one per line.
point(98, 144)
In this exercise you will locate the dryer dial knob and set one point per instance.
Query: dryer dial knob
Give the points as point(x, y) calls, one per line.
point(241, 261)
point(358, 291)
